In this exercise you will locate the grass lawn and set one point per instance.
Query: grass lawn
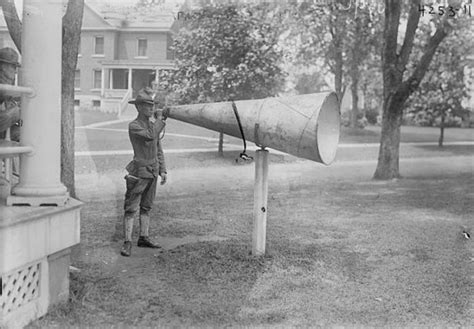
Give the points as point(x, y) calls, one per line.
point(83, 117)
point(371, 134)
point(340, 252)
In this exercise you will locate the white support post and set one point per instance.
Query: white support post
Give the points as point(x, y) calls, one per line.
point(111, 78)
point(260, 203)
point(129, 79)
point(102, 82)
point(41, 113)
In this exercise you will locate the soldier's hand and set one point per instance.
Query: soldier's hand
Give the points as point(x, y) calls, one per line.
point(166, 112)
point(163, 178)
point(159, 114)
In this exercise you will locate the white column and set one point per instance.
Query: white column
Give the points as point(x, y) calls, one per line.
point(129, 79)
point(41, 114)
point(102, 82)
point(260, 203)
point(154, 83)
point(111, 78)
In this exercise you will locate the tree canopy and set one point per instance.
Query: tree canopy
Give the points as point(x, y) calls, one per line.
point(399, 81)
point(225, 52)
point(444, 87)
point(346, 37)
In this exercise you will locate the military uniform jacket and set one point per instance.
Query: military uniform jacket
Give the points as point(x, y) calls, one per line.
point(148, 159)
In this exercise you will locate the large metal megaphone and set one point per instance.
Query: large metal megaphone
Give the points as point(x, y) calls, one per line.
point(305, 126)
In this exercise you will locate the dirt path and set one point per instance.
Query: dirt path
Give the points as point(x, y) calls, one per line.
point(186, 181)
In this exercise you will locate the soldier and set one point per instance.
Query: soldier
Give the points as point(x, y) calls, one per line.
point(148, 163)
point(9, 110)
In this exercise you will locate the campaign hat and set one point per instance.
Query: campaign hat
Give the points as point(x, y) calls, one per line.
point(145, 95)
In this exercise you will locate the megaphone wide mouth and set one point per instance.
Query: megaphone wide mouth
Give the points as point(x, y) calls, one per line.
point(328, 129)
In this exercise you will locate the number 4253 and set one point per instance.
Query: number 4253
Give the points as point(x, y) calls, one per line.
point(445, 10)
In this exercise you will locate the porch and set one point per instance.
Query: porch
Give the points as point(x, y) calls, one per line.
point(121, 81)
point(39, 221)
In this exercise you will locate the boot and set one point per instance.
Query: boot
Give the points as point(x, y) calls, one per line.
point(145, 242)
point(126, 249)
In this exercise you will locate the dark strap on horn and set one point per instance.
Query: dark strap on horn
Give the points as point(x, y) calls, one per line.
point(243, 155)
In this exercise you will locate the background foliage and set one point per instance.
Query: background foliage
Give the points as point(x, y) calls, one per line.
point(226, 52)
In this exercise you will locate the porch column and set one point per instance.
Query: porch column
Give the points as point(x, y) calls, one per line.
point(130, 79)
point(40, 182)
point(102, 83)
point(111, 78)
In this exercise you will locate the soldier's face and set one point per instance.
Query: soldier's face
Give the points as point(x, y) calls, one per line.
point(145, 109)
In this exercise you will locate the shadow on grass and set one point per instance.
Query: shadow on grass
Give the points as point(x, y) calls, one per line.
point(357, 135)
point(203, 284)
point(344, 253)
point(84, 118)
point(451, 194)
point(449, 150)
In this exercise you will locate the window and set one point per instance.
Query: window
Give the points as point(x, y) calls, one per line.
point(99, 45)
point(77, 102)
point(77, 79)
point(97, 83)
point(142, 46)
point(169, 47)
point(79, 48)
point(96, 103)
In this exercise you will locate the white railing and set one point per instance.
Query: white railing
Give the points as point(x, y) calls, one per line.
point(124, 102)
point(115, 93)
point(9, 150)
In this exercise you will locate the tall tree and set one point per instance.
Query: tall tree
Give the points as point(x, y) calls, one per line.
point(397, 86)
point(323, 31)
point(363, 40)
point(72, 22)
point(442, 91)
point(346, 36)
point(225, 52)
point(13, 21)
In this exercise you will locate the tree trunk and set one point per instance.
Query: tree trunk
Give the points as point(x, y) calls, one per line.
point(441, 128)
point(388, 160)
point(395, 90)
point(355, 101)
point(220, 148)
point(338, 72)
point(13, 21)
point(72, 22)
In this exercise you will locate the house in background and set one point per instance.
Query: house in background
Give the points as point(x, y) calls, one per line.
point(117, 57)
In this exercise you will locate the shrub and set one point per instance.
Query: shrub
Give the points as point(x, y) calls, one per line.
point(371, 114)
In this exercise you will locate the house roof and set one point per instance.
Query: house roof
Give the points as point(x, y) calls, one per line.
point(130, 18)
point(124, 19)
